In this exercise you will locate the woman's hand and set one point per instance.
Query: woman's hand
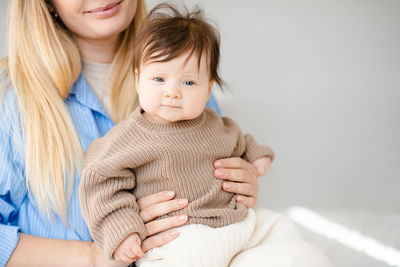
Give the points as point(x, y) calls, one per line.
point(243, 177)
point(157, 205)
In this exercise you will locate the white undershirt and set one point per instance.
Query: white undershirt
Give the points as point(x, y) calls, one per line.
point(98, 77)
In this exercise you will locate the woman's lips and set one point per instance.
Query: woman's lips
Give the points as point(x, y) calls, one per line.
point(105, 11)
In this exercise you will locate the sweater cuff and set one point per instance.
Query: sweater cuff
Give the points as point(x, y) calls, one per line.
point(117, 227)
point(255, 151)
point(9, 237)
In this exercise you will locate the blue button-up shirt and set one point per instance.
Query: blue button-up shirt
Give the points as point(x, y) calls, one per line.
point(18, 210)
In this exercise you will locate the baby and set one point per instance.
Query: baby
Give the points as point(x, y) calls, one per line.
point(169, 143)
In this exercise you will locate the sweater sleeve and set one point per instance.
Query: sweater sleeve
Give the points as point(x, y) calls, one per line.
point(107, 200)
point(254, 151)
point(246, 146)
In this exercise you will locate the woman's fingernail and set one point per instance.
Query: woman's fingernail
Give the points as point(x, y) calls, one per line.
point(170, 194)
point(219, 173)
point(174, 232)
point(218, 164)
point(182, 202)
point(239, 198)
point(182, 218)
point(227, 186)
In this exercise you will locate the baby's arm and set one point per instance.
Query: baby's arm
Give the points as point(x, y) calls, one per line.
point(108, 204)
point(260, 156)
point(109, 207)
point(129, 250)
point(254, 151)
point(239, 173)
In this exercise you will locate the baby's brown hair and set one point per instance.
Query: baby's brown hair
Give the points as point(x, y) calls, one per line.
point(168, 33)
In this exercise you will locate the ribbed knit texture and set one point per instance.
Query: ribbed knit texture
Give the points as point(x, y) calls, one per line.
point(138, 158)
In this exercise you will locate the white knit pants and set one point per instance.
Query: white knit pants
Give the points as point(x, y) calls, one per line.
point(263, 238)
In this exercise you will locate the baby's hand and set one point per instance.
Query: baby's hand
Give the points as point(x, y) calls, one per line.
point(262, 165)
point(129, 250)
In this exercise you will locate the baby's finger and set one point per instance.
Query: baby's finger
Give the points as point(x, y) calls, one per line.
point(262, 165)
point(137, 250)
point(159, 240)
point(122, 257)
point(147, 201)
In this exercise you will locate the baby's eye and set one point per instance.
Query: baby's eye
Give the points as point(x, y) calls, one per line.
point(159, 79)
point(189, 83)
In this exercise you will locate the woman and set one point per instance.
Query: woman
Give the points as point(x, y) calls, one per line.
point(56, 99)
point(50, 116)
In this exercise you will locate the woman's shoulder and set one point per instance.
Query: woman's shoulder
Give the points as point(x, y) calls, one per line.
point(5, 81)
point(8, 97)
point(9, 111)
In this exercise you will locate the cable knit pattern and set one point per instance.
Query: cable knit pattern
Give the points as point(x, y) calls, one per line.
point(138, 158)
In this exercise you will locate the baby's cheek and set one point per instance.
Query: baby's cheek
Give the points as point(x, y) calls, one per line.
point(195, 110)
point(148, 102)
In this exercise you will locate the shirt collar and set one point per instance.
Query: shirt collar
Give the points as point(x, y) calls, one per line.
point(82, 92)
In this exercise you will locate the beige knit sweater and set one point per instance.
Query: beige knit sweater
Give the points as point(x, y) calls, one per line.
point(139, 158)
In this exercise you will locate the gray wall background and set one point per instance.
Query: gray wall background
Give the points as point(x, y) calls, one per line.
point(319, 81)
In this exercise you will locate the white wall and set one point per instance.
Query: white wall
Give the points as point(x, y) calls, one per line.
point(319, 81)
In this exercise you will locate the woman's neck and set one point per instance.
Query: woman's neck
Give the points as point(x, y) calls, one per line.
point(101, 51)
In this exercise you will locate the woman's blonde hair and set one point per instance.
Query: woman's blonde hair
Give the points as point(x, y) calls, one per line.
point(43, 63)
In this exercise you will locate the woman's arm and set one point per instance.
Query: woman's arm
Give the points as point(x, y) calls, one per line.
point(41, 252)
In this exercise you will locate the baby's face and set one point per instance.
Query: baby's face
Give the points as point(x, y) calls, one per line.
point(174, 91)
